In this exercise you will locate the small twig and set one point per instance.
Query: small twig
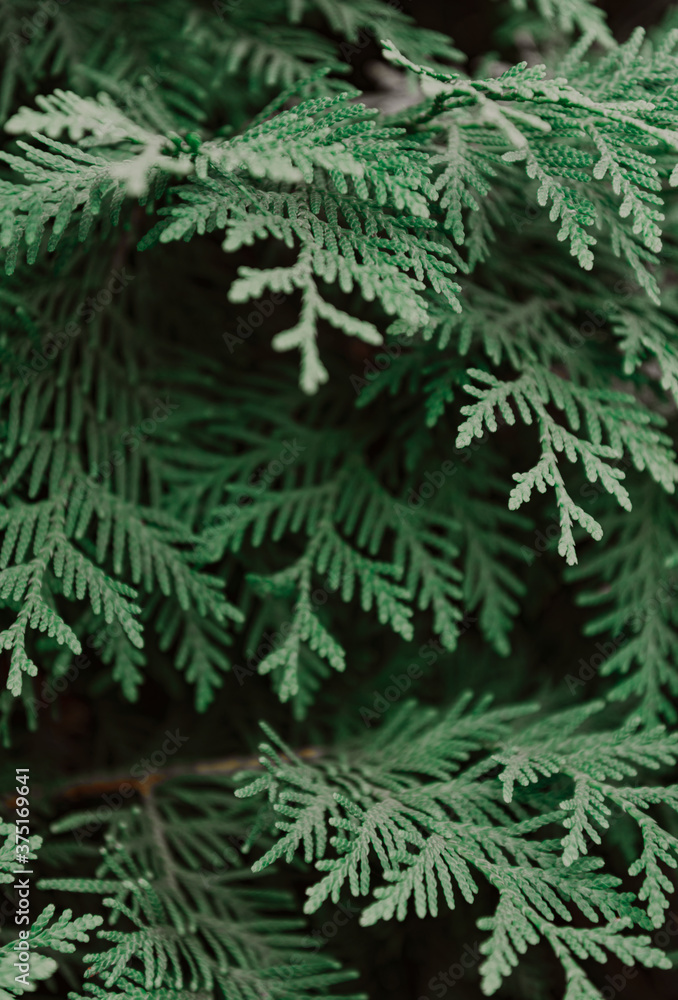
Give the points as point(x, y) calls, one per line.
point(99, 784)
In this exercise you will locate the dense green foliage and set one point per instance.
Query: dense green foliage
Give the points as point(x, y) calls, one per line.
point(349, 414)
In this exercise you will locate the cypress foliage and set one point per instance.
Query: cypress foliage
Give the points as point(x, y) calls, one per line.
point(339, 556)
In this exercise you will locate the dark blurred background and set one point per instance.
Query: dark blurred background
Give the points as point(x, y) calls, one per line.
point(468, 21)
